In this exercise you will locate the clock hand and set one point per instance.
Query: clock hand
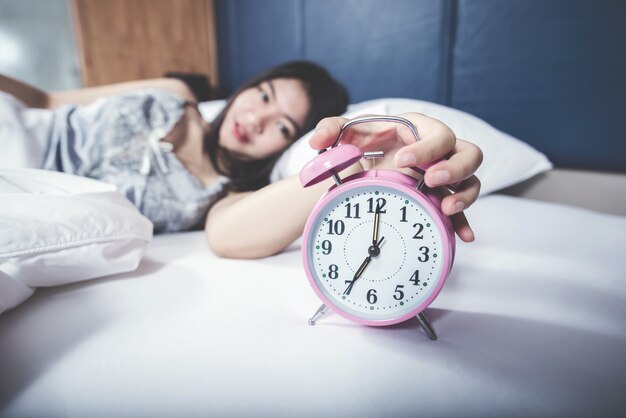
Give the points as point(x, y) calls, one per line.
point(376, 223)
point(374, 251)
point(358, 274)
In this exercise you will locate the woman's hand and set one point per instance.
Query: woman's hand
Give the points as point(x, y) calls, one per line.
point(461, 158)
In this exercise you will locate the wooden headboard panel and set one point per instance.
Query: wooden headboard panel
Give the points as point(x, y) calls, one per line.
point(121, 40)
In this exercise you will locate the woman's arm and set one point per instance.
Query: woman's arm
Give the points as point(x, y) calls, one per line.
point(90, 94)
point(263, 223)
point(35, 97)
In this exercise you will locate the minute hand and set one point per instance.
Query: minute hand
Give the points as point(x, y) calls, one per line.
point(358, 274)
point(374, 251)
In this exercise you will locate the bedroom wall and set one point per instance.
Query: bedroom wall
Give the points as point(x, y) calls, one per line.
point(41, 44)
point(121, 40)
point(548, 72)
point(395, 48)
point(37, 44)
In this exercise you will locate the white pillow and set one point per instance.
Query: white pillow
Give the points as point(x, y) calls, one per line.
point(56, 228)
point(23, 133)
point(209, 110)
point(506, 160)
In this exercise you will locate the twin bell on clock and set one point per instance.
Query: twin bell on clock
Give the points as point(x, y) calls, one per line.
point(376, 248)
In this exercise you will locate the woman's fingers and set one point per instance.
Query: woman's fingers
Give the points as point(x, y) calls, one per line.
point(448, 202)
point(459, 170)
point(436, 140)
point(463, 198)
point(326, 132)
point(462, 163)
point(462, 227)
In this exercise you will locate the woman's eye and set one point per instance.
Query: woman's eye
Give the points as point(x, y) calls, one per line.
point(264, 96)
point(285, 131)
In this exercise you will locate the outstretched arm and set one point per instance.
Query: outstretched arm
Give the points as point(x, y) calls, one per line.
point(263, 223)
point(35, 97)
point(90, 94)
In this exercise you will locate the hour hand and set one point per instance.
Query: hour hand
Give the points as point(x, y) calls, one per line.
point(376, 223)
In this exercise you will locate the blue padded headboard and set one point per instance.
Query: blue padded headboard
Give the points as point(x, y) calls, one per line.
point(552, 73)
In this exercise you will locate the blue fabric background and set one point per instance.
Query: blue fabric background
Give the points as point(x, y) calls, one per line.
point(551, 73)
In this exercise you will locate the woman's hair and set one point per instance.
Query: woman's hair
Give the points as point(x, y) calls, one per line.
point(327, 97)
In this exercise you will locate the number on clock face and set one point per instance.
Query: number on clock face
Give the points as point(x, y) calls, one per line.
point(397, 278)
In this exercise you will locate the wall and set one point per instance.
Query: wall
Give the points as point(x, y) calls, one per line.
point(37, 44)
point(548, 72)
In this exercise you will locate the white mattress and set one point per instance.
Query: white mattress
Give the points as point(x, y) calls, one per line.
point(530, 323)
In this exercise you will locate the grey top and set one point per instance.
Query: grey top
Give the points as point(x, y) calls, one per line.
point(118, 140)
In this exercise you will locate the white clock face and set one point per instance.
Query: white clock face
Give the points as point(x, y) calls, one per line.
point(382, 280)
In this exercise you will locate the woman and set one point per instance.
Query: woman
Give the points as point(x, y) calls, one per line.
point(149, 139)
point(175, 188)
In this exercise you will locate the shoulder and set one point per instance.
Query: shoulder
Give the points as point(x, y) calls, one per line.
point(88, 95)
point(175, 86)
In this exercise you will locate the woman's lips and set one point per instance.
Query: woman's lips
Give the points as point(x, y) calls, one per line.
point(240, 133)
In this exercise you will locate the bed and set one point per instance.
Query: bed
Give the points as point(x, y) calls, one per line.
point(531, 320)
point(530, 323)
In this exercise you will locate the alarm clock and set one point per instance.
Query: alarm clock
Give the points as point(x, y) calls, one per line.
point(376, 248)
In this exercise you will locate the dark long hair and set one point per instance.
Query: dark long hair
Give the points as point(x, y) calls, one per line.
point(327, 97)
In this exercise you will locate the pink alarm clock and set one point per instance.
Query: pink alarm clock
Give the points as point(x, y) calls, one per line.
point(376, 248)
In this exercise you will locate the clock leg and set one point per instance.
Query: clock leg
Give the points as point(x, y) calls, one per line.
point(428, 329)
point(318, 314)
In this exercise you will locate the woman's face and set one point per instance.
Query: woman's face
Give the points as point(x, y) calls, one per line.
point(265, 119)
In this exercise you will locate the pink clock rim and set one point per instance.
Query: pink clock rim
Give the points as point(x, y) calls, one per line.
point(398, 181)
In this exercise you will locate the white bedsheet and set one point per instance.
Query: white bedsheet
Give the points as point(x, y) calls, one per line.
point(530, 323)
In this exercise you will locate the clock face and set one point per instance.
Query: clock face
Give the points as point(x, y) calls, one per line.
point(376, 281)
